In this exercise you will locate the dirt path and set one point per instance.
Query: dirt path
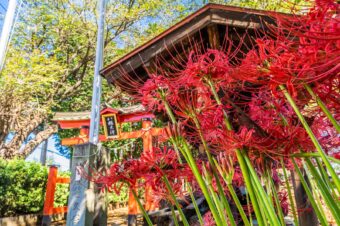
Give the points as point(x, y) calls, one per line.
point(117, 217)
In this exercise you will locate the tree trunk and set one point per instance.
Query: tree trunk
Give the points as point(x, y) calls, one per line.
point(40, 137)
point(8, 151)
point(307, 215)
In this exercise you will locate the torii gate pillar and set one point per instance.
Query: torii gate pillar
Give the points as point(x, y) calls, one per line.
point(149, 203)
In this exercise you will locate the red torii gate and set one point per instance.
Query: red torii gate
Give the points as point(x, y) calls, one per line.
point(81, 120)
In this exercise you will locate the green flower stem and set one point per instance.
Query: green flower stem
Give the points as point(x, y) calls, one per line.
point(263, 198)
point(173, 196)
point(276, 198)
point(317, 196)
point(201, 183)
point(260, 191)
point(290, 196)
point(238, 204)
point(241, 160)
point(316, 192)
point(146, 216)
point(214, 171)
point(250, 188)
point(323, 108)
point(314, 154)
point(249, 210)
point(174, 215)
point(323, 173)
point(173, 120)
point(169, 111)
point(326, 179)
point(329, 199)
point(312, 137)
point(172, 140)
point(318, 212)
point(200, 219)
point(191, 161)
point(228, 181)
point(213, 194)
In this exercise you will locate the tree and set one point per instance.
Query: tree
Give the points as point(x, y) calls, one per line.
point(50, 60)
point(273, 5)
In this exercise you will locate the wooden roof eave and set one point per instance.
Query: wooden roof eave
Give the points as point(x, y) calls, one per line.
point(210, 14)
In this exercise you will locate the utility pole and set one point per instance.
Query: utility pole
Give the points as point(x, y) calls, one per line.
point(6, 30)
point(97, 81)
point(85, 205)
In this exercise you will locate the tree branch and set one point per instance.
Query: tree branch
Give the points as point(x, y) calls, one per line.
point(40, 137)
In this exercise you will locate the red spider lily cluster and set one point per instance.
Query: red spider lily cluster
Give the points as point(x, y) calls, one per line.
point(299, 51)
point(246, 88)
point(148, 169)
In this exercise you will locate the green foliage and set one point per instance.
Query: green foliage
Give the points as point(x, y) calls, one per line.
point(274, 5)
point(50, 61)
point(121, 197)
point(23, 185)
point(62, 191)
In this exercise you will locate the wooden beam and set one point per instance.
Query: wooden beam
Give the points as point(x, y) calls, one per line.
point(213, 34)
point(162, 132)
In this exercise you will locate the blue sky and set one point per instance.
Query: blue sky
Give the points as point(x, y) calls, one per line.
point(56, 154)
point(3, 8)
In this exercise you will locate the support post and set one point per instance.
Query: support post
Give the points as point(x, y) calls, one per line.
point(213, 35)
point(147, 146)
point(49, 197)
point(133, 209)
point(81, 199)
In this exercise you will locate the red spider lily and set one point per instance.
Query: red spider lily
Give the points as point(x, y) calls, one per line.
point(309, 53)
point(213, 64)
point(326, 133)
point(228, 166)
point(336, 155)
point(212, 125)
point(208, 219)
point(160, 158)
point(248, 70)
point(278, 120)
point(283, 198)
point(191, 103)
point(200, 68)
point(327, 91)
point(304, 51)
point(152, 166)
point(154, 90)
